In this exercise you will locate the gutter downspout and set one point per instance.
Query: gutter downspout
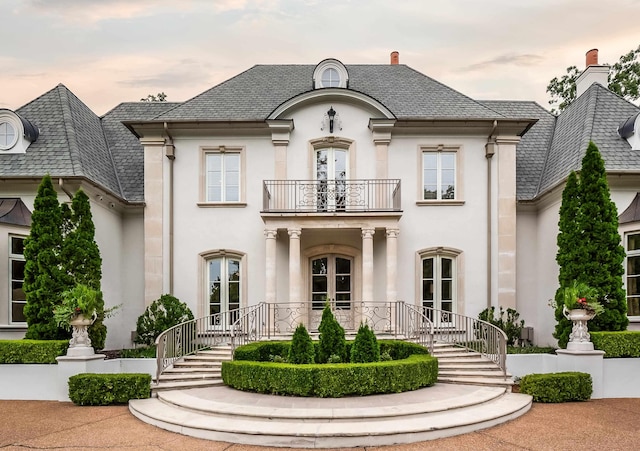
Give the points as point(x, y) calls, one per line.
point(63, 188)
point(170, 153)
point(490, 150)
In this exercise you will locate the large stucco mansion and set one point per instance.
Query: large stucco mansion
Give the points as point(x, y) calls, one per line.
point(324, 181)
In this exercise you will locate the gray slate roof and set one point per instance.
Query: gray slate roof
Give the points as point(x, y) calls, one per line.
point(255, 93)
point(594, 116)
point(74, 142)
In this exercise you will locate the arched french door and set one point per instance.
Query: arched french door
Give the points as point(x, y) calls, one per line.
point(331, 170)
point(332, 281)
point(224, 285)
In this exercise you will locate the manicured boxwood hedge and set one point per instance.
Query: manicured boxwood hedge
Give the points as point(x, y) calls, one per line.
point(32, 351)
point(416, 369)
point(557, 387)
point(90, 389)
point(617, 344)
point(263, 351)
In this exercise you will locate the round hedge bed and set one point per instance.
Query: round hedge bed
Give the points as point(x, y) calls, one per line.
point(251, 370)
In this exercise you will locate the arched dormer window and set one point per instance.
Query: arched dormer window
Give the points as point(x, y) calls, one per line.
point(16, 133)
point(330, 73)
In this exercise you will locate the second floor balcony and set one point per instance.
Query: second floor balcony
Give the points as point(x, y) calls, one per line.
point(331, 196)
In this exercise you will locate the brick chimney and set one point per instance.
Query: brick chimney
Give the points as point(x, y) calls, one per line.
point(395, 58)
point(593, 73)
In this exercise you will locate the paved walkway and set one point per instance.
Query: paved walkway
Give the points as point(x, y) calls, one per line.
point(606, 424)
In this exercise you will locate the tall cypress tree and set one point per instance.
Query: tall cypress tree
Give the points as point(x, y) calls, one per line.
point(602, 267)
point(589, 248)
point(44, 279)
point(569, 253)
point(81, 258)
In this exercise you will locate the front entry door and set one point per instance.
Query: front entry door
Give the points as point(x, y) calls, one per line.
point(331, 281)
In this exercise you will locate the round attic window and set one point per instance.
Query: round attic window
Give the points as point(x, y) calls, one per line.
point(8, 135)
point(330, 78)
point(330, 73)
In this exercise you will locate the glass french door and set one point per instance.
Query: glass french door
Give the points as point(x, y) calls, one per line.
point(438, 287)
point(332, 281)
point(331, 170)
point(224, 290)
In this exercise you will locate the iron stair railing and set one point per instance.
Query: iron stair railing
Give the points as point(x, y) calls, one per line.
point(403, 321)
point(470, 333)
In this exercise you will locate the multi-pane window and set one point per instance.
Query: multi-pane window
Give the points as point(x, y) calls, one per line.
point(633, 274)
point(223, 280)
point(438, 283)
point(16, 279)
point(7, 135)
point(439, 175)
point(330, 78)
point(223, 177)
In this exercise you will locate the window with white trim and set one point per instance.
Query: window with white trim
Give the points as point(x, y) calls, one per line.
point(330, 73)
point(438, 273)
point(17, 298)
point(633, 274)
point(438, 174)
point(223, 176)
point(8, 135)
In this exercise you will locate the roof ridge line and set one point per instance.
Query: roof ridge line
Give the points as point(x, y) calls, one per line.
point(113, 163)
point(72, 139)
point(546, 155)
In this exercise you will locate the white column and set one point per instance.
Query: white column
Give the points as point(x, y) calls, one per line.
point(270, 265)
point(367, 264)
point(295, 273)
point(392, 264)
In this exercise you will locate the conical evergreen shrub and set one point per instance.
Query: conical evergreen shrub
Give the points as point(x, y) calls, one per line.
point(332, 341)
point(365, 348)
point(301, 350)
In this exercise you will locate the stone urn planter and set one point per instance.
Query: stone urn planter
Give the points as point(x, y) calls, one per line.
point(80, 343)
point(579, 338)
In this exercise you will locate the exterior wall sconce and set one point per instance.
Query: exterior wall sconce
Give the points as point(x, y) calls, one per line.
point(331, 118)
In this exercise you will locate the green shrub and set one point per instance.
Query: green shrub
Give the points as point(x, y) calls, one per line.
point(89, 389)
point(331, 338)
point(557, 387)
point(617, 344)
point(511, 327)
point(161, 315)
point(262, 351)
point(332, 380)
point(365, 347)
point(301, 351)
point(32, 351)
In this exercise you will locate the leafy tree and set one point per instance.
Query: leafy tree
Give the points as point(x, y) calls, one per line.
point(81, 258)
point(510, 326)
point(332, 340)
point(162, 314)
point(160, 97)
point(589, 251)
point(624, 78)
point(365, 348)
point(44, 278)
point(301, 351)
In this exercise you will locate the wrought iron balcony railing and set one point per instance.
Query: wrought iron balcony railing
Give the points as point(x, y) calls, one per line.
point(311, 196)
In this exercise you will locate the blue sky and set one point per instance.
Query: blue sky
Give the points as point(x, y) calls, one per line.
point(110, 51)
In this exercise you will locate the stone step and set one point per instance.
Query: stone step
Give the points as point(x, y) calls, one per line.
point(473, 372)
point(191, 370)
point(155, 388)
point(188, 377)
point(478, 380)
point(267, 420)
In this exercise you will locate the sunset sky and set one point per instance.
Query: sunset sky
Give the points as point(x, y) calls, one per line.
point(110, 51)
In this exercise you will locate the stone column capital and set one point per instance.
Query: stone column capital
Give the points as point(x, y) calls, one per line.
point(270, 234)
point(294, 233)
point(368, 232)
point(392, 233)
